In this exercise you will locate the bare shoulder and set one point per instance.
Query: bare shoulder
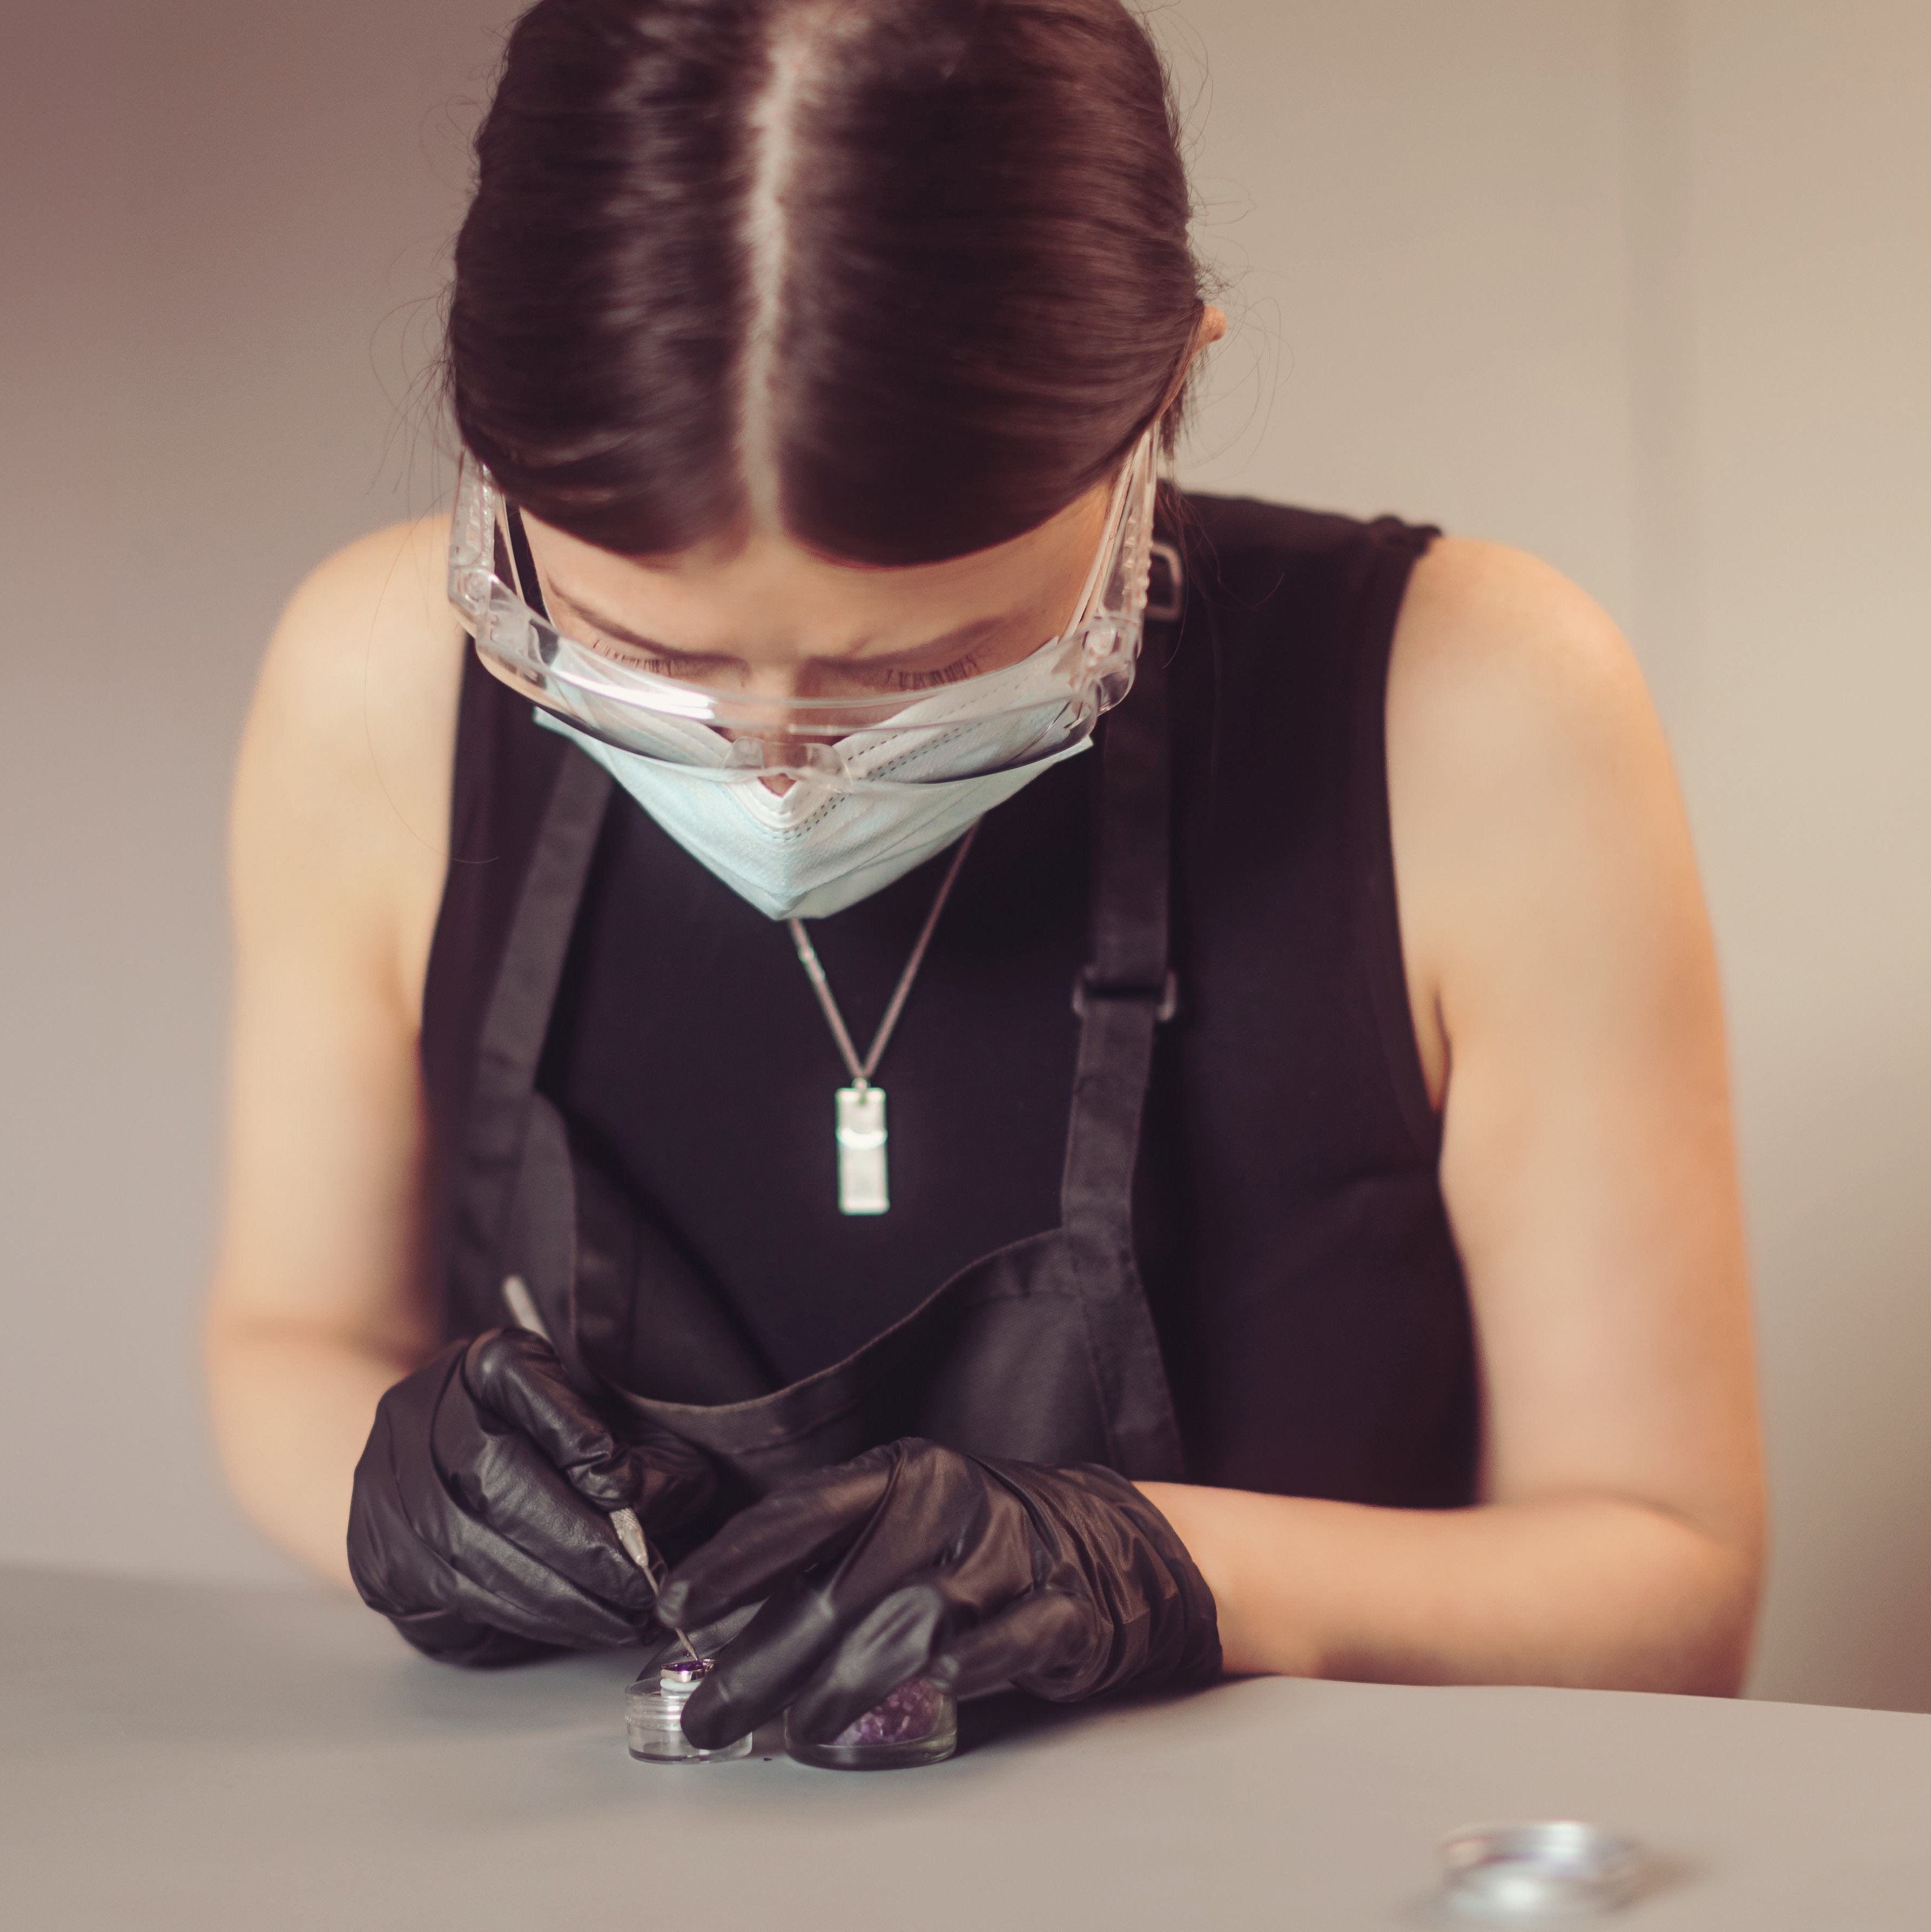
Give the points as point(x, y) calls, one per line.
point(361, 673)
point(1534, 807)
point(342, 794)
point(1497, 653)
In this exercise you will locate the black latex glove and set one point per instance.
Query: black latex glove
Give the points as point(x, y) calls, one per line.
point(480, 1525)
point(915, 1560)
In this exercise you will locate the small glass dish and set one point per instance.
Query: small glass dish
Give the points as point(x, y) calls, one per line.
point(1546, 1868)
point(654, 1715)
point(918, 1723)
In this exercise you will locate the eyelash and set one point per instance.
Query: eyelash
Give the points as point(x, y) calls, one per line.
point(931, 680)
point(625, 655)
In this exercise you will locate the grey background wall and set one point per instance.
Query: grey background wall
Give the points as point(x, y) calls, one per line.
point(1644, 287)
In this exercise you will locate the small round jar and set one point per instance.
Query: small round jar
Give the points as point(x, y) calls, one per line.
point(1546, 1869)
point(918, 1723)
point(654, 1716)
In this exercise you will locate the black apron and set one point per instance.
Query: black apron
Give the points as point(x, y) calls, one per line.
point(1044, 1351)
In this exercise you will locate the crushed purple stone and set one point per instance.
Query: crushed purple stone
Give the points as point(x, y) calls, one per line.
point(910, 1713)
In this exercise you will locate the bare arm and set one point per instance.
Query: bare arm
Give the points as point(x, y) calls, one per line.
point(1567, 1004)
point(340, 828)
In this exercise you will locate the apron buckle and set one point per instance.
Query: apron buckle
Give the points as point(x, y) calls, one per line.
point(1086, 987)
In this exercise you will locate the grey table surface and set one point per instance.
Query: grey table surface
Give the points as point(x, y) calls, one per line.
point(177, 1755)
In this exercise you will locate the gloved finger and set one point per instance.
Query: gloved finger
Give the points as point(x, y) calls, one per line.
point(896, 1641)
point(761, 1670)
point(674, 1481)
point(938, 1513)
point(505, 1483)
point(1040, 1635)
point(516, 1375)
point(414, 1548)
point(519, 1377)
point(806, 1522)
point(492, 1581)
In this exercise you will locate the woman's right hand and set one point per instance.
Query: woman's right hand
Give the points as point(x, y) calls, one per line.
point(480, 1523)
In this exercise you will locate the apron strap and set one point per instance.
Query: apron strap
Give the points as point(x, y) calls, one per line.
point(1122, 995)
point(514, 1028)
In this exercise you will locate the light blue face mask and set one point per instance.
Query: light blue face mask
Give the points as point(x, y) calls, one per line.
point(815, 849)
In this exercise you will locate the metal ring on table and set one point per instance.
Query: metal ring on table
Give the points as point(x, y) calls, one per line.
point(1546, 1868)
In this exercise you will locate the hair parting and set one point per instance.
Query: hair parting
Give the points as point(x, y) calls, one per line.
point(901, 278)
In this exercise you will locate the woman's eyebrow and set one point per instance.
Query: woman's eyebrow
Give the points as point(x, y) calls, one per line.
point(611, 628)
point(960, 637)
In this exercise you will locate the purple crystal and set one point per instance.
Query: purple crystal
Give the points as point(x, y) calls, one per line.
point(912, 1712)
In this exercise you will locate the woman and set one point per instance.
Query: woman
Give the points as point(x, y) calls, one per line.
point(1302, 1237)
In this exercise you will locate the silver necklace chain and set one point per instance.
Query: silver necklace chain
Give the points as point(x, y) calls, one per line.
point(863, 1187)
point(861, 1070)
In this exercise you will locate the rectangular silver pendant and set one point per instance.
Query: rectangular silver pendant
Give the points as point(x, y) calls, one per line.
point(861, 1188)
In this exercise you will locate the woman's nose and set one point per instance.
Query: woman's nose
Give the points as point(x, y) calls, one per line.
point(781, 756)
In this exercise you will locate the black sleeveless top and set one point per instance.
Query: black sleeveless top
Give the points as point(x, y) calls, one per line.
point(1311, 1308)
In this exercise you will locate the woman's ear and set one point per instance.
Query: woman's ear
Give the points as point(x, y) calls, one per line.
point(1211, 327)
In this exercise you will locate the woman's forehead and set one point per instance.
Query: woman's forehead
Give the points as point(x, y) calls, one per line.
point(769, 586)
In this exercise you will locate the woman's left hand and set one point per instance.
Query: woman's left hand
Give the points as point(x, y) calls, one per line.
point(914, 1560)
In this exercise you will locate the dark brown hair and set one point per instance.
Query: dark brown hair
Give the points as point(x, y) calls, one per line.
point(972, 290)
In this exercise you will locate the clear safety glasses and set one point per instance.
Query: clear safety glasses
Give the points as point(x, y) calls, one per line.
point(997, 721)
